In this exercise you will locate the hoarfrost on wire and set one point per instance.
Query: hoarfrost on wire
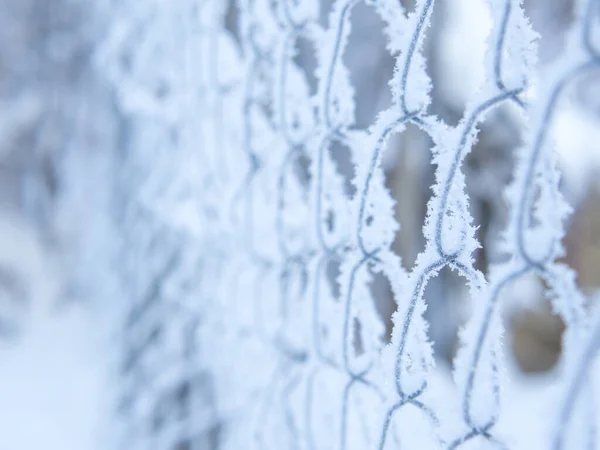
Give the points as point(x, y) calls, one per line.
point(258, 242)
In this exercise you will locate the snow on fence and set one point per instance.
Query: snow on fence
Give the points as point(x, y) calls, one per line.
point(250, 250)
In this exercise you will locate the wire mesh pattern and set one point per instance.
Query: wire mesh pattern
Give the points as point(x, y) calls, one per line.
point(250, 253)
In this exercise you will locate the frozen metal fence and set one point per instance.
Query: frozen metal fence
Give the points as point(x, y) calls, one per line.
point(250, 248)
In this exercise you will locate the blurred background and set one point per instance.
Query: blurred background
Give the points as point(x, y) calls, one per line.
point(63, 138)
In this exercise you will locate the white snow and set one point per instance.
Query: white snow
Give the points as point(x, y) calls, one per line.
point(53, 383)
